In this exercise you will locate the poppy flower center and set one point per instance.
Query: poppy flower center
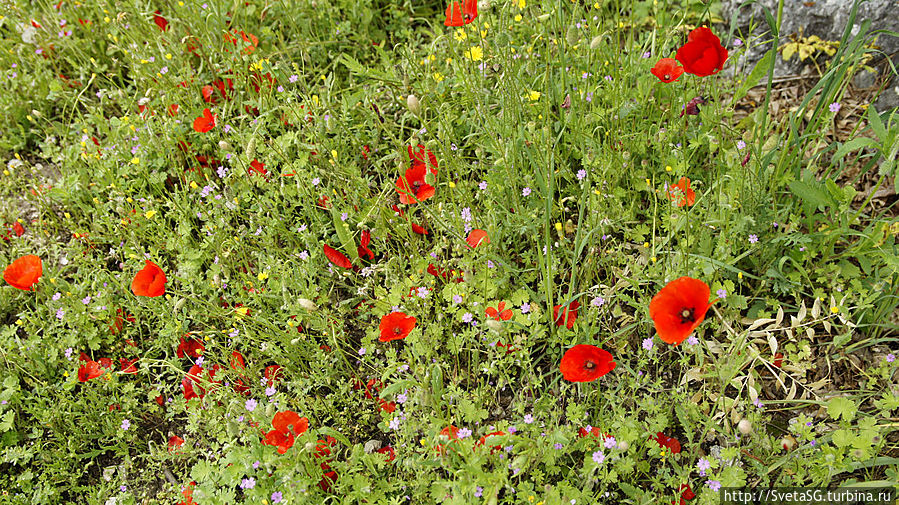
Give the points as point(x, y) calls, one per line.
point(667, 77)
point(416, 184)
point(687, 315)
point(397, 330)
point(589, 365)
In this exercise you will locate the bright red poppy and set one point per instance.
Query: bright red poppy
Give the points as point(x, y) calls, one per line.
point(412, 187)
point(499, 313)
point(88, 370)
point(175, 442)
point(667, 442)
point(679, 308)
point(396, 326)
point(191, 386)
point(681, 193)
point(477, 237)
point(494, 448)
point(24, 272)
point(586, 363)
point(257, 167)
point(205, 122)
point(190, 347)
point(119, 321)
point(667, 70)
point(150, 281)
point(461, 13)
point(287, 425)
point(568, 320)
point(703, 53)
point(421, 230)
point(272, 375)
point(128, 365)
point(422, 155)
point(238, 361)
point(687, 494)
point(160, 21)
point(363, 249)
point(388, 450)
point(337, 258)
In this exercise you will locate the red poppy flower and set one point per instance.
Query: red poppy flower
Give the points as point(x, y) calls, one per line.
point(681, 193)
point(422, 155)
point(191, 383)
point(238, 361)
point(272, 374)
point(88, 370)
point(586, 363)
point(670, 443)
point(687, 494)
point(173, 109)
point(561, 319)
point(679, 308)
point(476, 237)
point(205, 122)
point(256, 167)
point(150, 281)
point(460, 14)
point(128, 365)
point(105, 363)
point(396, 326)
point(24, 272)
point(386, 406)
point(327, 479)
point(778, 360)
point(692, 107)
point(287, 425)
point(594, 431)
point(667, 70)
point(388, 450)
point(160, 21)
point(412, 187)
point(421, 230)
point(119, 321)
point(337, 258)
point(175, 442)
point(190, 347)
point(363, 249)
point(498, 313)
point(494, 448)
point(703, 53)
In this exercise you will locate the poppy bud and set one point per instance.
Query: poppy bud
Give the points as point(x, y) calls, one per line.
point(309, 447)
point(180, 303)
point(571, 36)
point(307, 304)
point(270, 410)
point(502, 39)
point(251, 148)
point(494, 325)
point(595, 42)
point(224, 146)
point(788, 443)
point(413, 104)
point(745, 426)
point(35, 113)
point(623, 445)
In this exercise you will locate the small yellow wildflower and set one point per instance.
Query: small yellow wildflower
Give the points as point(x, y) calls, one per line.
point(149, 214)
point(475, 53)
point(438, 77)
point(534, 95)
point(262, 276)
point(835, 310)
point(460, 34)
point(522, 4)
point(668, 168)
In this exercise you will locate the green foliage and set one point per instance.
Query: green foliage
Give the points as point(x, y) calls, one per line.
point(550, 134)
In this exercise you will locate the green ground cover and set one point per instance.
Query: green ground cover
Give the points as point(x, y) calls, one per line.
point(340, 252)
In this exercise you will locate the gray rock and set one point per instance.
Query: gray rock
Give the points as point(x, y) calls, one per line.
point(825, 18)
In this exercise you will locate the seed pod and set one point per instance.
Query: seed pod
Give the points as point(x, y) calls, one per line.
point(251, 148)
point(494, 325)
point(413, 104)
point(307, 304)
point(745, 427)
point(595, 42)
point(788, 443)
point(572, 36)
point(224, 146)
